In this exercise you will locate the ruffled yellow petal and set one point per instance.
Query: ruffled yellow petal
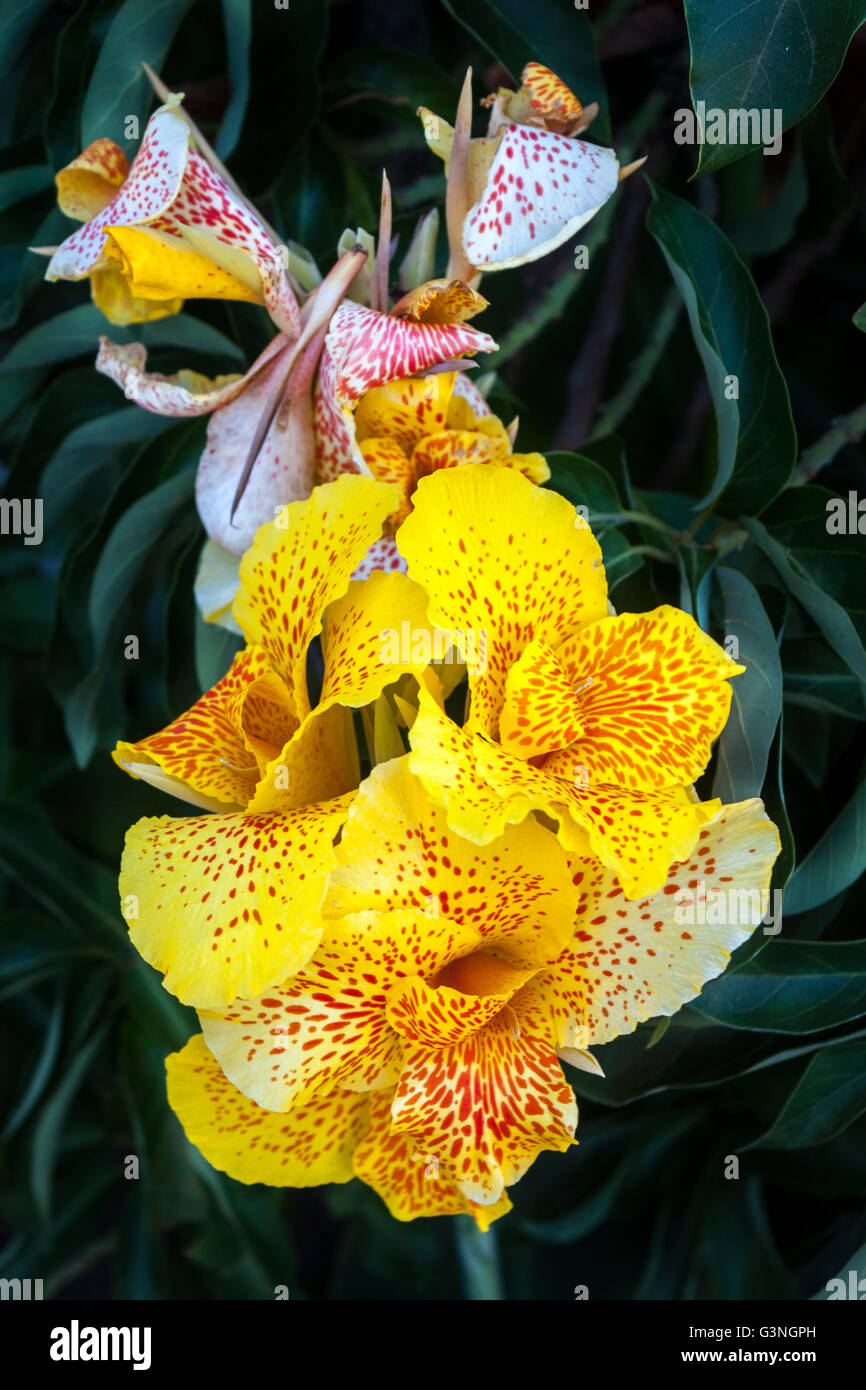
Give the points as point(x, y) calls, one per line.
point(440, 301)
point(410, 1182)
point(301, 562)
point(211, 747)
point(649, 691)
point(488, 1105)
point(224, 905)
point(405, 411)
point(506, 560)
point(397, 852)
point(312, 1145)
point(630, 961)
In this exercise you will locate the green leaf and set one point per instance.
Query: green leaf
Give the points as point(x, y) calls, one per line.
point(17, 19)
point(22, 183)
point(859, 319)
point(215, 649)
point(238, 21)
point(829, 1096)
point(809, 562)
point(552, 32)
point(47, 1136)
point(817, 678)
point(118, 88)
point(791, 987)
point(756, 698)
point(77, 331)
point(780, 56)
point(132, 538)
point(757, 444)
point(837, 861)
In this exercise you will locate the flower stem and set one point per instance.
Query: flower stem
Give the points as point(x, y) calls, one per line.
point(848, 429)
point(479, 1261)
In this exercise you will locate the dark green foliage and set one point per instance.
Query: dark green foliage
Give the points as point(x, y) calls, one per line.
point(751, 269)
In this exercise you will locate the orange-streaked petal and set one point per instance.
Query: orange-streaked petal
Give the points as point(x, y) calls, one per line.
point(630, 961)
point(551, 101)
point(89, 183)
point(440, 301)
point(541, 713)
point(312, 1145)
point(397, 852)
point(411, 1183)
point(650, 694)
point(205, 747)
point(224, 905)
point(300, 563)
point(506, 559)
point(489, 1104)
point(436, 1016)
point(327, 1025)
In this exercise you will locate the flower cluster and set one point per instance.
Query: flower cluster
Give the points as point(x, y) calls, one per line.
point(418, 875)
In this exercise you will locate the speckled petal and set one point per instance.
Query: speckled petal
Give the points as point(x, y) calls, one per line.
point(630, 961)
point(506, 560)
point(312, 1145)
point(224, 905)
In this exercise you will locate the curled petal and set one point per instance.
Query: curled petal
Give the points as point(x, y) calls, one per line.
point(185, 393)
point(89, 183)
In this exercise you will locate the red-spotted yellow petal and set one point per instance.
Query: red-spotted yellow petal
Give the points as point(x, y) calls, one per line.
point(505, 559)
point(412, 1183)
point(327, 1025)
point(300, 563)
point(318, 762)
point(224, 905)
point(405, 411)
point(489, 1104)
point(440, 301)
point(649, 692)
point(312, 1145)
point(631, 961)
point(89, 183)
point(205, 747)
point(462, 998)
point(396, 852)
point(541, 712)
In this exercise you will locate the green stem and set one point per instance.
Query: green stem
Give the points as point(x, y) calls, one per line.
point(641, 368)
point(848, 429)
point(654, 523)
point(479, 1261)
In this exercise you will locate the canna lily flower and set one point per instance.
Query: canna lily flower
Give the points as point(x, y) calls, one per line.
point(166, 229)
point(331, 1139)
point(600, 721)
point(531, 182)
point(447, 1076)
point(228, 902)
point(423, 982)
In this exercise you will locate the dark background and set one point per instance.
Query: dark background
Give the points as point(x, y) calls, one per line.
point(323, 100)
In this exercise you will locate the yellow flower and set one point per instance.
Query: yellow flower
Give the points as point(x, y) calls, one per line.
point(227, 903)
point(167, 229)
point(600, 721)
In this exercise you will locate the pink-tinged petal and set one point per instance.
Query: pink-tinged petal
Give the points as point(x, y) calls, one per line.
point(541, 189)
point(382, 555)
point(185, 393)
point(285, 462)
point(205, 201)
point(153, 184)
point(369, 348)
point(364, 349)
